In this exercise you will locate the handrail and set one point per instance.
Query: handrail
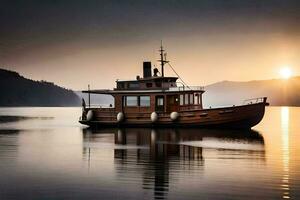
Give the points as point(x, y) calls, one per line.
point(184, 88)
point(255, 100)
point(100, 106)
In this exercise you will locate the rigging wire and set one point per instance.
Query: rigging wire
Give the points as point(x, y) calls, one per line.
point(178, 75)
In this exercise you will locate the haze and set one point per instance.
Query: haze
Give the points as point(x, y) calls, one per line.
point(75, 43)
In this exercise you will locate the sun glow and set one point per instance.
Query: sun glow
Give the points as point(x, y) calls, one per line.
point(285, 72)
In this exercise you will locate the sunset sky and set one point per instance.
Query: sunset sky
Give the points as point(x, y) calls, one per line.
point(75, 43)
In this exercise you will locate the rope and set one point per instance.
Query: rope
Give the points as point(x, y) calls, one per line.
point(178, 75)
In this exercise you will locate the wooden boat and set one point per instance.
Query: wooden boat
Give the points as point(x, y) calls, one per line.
point(157, 101)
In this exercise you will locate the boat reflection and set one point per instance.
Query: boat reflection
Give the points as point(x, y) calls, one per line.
point(157, 155)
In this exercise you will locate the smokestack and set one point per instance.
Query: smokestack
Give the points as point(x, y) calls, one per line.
point(147, 69)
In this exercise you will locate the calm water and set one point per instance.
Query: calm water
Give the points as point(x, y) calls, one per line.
point(46, 154)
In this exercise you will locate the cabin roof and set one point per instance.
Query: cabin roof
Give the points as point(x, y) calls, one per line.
point(170, 90)
point(154, 78)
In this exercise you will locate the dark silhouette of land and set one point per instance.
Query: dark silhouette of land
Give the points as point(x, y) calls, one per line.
point(19, 91)
point(280, 92)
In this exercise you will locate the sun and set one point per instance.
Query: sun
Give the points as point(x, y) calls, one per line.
point(285, 72)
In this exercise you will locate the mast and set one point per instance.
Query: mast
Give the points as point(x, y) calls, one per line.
point(162, 59)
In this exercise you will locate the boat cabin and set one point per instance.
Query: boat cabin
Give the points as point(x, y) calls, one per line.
point(152, 93)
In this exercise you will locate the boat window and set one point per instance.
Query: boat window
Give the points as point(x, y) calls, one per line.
point(148, 85)
point(181, 100)
point(131, 101)
point(158, 84)
point(186, 99)
point(133, 85)
point(145, 101)
point(120, 85)
point(191, 99)
point(160, 101)
point(200, 100)
point(196, 96)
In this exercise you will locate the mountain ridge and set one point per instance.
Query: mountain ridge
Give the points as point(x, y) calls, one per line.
point(280, 92)
point(16, 90)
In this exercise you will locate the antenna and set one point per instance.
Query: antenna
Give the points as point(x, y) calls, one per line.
point(163, 59)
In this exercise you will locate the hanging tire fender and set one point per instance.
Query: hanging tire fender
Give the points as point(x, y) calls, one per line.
point(120, 117)
point(154, 117)
point(89, 115)
point(174, 116)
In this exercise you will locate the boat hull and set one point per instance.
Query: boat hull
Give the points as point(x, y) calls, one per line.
point(235, 117)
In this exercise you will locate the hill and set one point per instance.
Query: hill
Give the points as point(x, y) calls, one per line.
point(16, 90)
point(280, 92)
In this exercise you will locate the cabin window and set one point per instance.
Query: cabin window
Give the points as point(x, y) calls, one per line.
point(186, 99)
point(145, 101)
point(200, 100)
point(196, 97)
point(131, 101)
point(160, 101)
point(191, 99)
point(181, 100)
point(133, 85)
point(148, 85)
point(158, 84)
point(120, 85)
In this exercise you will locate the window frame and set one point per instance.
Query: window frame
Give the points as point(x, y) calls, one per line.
point(133, 85)
point(137, 101)
point(181, 99)
point(149, 85)
point(186, 98)
point(146, 106)
point(191, 99)
point(196, 99)
point(162, 101)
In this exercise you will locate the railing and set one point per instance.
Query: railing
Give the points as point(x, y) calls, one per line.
point(255, 100)
point(186, 88)
point(109, 106)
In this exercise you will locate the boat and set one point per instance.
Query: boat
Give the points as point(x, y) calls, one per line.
point(156, 100)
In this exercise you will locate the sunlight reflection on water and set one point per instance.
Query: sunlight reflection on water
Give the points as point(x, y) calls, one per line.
point(285, 152)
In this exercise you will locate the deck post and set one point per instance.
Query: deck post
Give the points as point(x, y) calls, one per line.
point(89, 95)
point(265, 99)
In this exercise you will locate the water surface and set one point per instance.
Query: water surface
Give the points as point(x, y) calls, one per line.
point(46, 154)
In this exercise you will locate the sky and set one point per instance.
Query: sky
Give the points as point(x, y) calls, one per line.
point(76, 43)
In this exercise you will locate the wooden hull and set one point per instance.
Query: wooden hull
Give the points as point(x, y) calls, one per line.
point(235, 117)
